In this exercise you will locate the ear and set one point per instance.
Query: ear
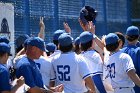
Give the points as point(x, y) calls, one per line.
point(58, 46)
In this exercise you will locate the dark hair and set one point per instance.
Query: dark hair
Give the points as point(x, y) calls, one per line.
point(19, 48)
point(2, 53)
point(131, 38)
point(121, 37)
point(77, 49)
point(112, 47)
point(55, 42)
point(86, 46)
point(66, 48)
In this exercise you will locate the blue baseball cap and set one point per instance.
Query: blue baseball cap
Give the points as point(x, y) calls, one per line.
point(37, 42)
point(77, 41)
point(51, 47)
point(132, 30)
point(65, 39)
point(5, 48)
point(20, 40)
point(57, 33)
point(4, 39)
point(111, 38)
point(85, 37)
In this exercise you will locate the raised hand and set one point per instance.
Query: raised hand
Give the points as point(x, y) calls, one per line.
point(41, 23)
point(41, 34)
point(66, 27)
point(91, 27)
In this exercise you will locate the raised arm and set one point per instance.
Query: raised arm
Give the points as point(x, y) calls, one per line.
point(41, 34)
point(67, 27)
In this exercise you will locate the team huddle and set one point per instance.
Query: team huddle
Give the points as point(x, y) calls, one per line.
point(86, 64)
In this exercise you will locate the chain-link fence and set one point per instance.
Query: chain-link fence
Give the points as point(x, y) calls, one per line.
point(113, 15)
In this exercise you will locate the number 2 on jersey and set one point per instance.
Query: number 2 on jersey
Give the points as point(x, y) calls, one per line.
point(63, 71)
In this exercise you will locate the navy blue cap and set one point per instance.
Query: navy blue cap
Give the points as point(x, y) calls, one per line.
point(51, 47)
point(4, 39)
point(111, 38)
point(85, 37)
point(5, 48)
point(57, 33)
point(132, 30)
point(77, 41)
point(37, 42)
point(20, 40)
point(65, 39)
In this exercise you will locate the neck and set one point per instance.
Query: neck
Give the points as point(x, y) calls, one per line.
point(115, 51)
point(133, 42)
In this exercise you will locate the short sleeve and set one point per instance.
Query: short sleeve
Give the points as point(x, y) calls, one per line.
point(127, 63)
point(26, 72)
point(4, 81)
point(83, 69)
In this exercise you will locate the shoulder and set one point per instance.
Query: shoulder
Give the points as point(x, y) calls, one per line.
point(124, 56)
point(3, 69)
point(23, 62)
point(43, 62)
point(55, 57)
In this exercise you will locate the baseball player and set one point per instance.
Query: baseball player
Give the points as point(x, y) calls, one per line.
point(93, 59)
point(132, 35)
point(27, 67)
point(70, 69)
point(120, 67)
point(5, 86)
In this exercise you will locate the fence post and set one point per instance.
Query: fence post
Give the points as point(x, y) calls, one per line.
point(129, 10)
point(27, 18)
point(56, 16)
point(83, 3)
point(105, 16)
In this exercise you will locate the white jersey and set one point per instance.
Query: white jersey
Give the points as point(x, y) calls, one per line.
point(70, 70)
point(118, 65)
point(56, 52)
point(94, 62)
point(45, 69)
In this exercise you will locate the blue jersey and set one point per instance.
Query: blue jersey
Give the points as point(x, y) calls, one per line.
point(131, 51)
point(4, 79)
point(29, 70)
point(134, 52)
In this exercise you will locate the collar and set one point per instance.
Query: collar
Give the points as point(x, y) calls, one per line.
point(113, 53)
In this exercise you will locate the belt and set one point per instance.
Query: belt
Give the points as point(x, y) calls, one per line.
point(122, 87)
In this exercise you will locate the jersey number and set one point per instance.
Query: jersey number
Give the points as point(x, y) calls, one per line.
point(63, 72)
point(111, 69)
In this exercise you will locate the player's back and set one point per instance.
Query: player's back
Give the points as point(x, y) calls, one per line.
point(71, 70)
point(94, 61)
point(119, 64)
